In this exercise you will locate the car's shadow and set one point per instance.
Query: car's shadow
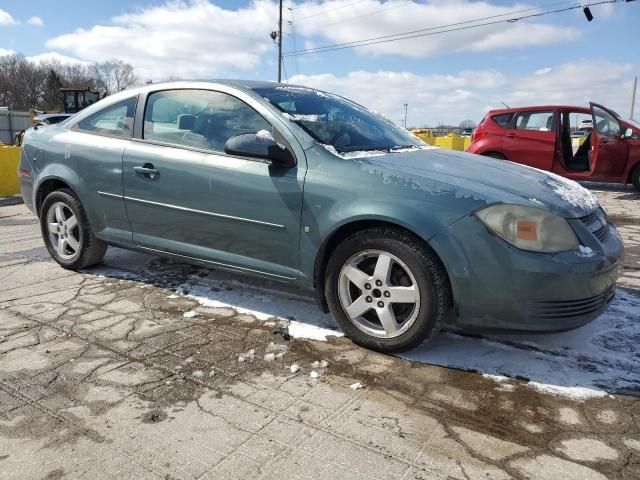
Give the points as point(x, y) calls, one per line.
point(601, 357)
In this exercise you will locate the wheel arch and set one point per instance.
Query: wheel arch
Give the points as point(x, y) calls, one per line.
point(632, 171)
point(343, 231)
point(493, 154)
point(47, 186)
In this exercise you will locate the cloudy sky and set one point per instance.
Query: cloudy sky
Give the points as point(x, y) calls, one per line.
point(444, 77)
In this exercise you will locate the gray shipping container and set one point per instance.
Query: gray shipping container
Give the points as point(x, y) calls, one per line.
point(11, 122)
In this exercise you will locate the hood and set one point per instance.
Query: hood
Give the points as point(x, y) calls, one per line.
point(486, 179)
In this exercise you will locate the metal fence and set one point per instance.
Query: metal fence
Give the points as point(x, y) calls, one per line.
point(11, 122)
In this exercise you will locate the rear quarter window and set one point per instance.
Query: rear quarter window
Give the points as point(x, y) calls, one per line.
point(114, 121)
point(503, 119)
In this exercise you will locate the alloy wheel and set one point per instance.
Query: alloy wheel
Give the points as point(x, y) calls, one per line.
point(379, 293)
point(63, 230)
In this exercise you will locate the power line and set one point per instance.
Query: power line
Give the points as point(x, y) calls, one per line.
point(284, 70)
point(330, 10)
point(375, 12)
point(416, 33)
point(291, 24)
point(313, 50)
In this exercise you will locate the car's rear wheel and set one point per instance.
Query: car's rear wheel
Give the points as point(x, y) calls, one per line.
point(386, 290)
point(497, 155)
point(67, 233)
point(635, 178)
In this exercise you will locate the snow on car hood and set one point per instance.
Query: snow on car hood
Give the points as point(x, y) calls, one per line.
point(486, 179)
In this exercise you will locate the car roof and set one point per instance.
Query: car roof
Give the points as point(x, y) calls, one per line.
point(537, 107)
point(44, 116)
point(241, 84)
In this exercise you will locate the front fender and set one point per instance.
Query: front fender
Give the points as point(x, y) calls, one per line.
point(341, 194)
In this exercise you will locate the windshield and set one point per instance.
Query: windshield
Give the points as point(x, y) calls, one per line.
point(335, 121)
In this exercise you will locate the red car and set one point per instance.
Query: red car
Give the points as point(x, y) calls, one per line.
point(579, 143)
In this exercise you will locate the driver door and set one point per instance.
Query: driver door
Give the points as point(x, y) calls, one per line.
point(609, 148)
point(185, 196)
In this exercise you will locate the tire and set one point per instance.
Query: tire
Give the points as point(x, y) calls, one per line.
point(70, 242)
point(496, 155)
point(414, 274)
point(635, 178)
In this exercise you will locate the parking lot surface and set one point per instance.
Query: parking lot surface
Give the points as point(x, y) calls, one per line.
point(146, 368)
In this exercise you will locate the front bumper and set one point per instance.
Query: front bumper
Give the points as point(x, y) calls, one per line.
point(499, 287)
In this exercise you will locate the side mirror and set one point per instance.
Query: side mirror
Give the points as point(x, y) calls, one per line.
point(260, 145)
point(628, 133)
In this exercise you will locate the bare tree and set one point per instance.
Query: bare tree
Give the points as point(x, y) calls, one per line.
point(28, 85)
point(51, 98)
point(20, 82)
point(113, 76)
point(467, 124)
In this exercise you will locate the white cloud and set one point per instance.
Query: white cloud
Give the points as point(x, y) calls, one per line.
point(435, 99)
point(198, 39)
point(377, 19)
point(37, 21)
point(6, 18)
point(4, 52)
point(188, 39)
point(57, 58)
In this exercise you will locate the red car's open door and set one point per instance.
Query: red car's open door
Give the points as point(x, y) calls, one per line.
point(609, 149)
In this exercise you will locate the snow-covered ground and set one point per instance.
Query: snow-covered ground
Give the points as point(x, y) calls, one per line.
point(599, 358)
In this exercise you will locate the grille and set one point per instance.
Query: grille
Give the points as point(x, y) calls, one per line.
point(597, 224)
point(569, 309)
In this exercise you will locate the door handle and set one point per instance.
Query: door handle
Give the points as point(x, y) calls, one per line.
point(147, 170)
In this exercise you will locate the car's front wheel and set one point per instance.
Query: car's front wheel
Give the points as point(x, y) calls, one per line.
point(387, 290)
point(67, 233)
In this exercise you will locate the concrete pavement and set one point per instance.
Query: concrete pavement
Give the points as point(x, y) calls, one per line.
point(107, 377)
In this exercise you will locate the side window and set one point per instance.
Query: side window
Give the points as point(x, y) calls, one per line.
point(116, 120)
point(605, 123)
point(504, 119)
point(198, 118)
point(539, 121)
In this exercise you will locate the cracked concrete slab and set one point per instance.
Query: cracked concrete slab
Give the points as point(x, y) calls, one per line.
point(106, 377)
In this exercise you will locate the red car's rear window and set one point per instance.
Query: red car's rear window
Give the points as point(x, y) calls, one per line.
point(503, 119)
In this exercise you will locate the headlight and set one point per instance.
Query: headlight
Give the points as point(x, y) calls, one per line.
point(530, 228)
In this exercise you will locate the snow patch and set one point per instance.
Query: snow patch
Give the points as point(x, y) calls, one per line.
point(190, 314)
point(303, 117)
point(356, 386)
point(293, 88)
point(266, 305)
point(598, 358)
point(320, 364)
point(247, 356)
point(265, 136)
point(314, 374)
point(588, 362)
point(576, 393)
point(537, 202)
point(375, 153)
point(584, 252)
point(571, 192)
point(496, 378)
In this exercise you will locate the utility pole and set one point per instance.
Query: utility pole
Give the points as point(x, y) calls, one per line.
point(633, 97)
point(280, 45)
point(406, 105)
